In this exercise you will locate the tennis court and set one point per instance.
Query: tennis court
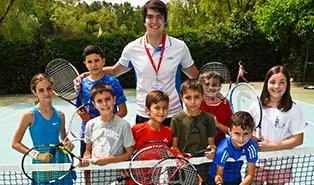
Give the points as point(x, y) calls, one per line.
point(12, 107)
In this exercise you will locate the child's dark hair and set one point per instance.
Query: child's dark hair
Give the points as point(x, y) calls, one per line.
point(242, 119)
point(93, 49)
point(192, 84)
point(157, 6)
point(35, 80)
point(154, 97)
point(100, 88)
point(286, 102)
point(210, 74)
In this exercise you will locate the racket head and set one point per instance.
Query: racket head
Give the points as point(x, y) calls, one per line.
point(175, 170)
point(43, 173)
point(80, 116)
point(152, 152)
point(208, 71)
point(62, 73)
point(243, 97)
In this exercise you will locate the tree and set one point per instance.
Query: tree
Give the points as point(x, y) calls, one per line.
point(290, 25)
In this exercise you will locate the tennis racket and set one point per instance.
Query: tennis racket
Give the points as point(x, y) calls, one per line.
point(158, 147)
point(206, 72)
point(177, 170)
point(62, 74)
point(56, 164)
point(243, 97)
point(154, 153)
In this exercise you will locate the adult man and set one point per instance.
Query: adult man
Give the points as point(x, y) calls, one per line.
point(156, 59)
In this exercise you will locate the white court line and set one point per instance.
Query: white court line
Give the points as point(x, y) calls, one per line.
point(9, 116)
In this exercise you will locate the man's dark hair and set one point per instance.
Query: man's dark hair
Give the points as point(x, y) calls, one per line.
point(157, 6)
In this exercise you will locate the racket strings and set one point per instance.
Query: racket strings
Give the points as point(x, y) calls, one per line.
point(183, 173)
point(62, 74)
point(75, 126)
point(143, 175)
point(219, 68)
point(44, 176)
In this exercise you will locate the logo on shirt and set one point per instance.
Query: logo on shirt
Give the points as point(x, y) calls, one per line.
point(169, 58)
point(54, 123)
point(165, 140)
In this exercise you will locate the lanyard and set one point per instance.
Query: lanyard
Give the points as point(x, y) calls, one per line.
point(161, 54)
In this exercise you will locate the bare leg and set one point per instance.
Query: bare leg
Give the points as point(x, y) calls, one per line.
point(238, 77)
point(87, 177)
point(244, 79)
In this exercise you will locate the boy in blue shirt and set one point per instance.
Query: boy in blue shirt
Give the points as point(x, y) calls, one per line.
point(94, 62)
point(239, 144)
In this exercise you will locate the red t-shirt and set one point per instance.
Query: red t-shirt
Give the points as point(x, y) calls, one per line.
point(143, 133)
point(222, 111)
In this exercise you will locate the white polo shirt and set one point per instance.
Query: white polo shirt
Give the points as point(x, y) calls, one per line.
point(175, 57)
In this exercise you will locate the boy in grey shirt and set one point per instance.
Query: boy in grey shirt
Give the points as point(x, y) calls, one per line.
point(108, 137)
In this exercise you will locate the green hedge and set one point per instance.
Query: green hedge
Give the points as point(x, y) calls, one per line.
point(21, 61)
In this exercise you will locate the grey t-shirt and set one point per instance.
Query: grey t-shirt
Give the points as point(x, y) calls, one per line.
point(108, 139)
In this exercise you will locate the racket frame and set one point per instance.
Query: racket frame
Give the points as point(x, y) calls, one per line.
point(54, 147)
point(259, 125)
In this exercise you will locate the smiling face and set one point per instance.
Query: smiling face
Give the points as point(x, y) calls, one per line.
point(211, 87)
point(277, 86)
point(154, 23)
point(239, 136)
point(158, 111)
point(104, 102)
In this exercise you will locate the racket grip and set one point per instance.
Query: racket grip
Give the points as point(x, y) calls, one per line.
point(200, 153)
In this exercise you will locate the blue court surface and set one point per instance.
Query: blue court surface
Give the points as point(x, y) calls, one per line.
point(10, 116)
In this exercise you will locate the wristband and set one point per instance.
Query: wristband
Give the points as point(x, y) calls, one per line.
point(33, 154)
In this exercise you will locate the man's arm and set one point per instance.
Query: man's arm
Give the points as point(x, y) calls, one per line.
point(250, 174)
point(191, 72)
point(115, 70)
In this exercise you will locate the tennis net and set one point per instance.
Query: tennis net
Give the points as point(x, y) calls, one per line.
point(299, 161)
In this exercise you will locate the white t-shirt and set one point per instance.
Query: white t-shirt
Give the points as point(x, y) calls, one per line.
point(277, 125)
point(108, 139)
point(176, 56)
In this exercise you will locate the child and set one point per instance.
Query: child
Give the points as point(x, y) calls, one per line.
point(213, 102)
point(239, 143)
point(192, 128)
point(157, 103)
point(94, 62)
point(108, 137)
point(282, 125)
point(241, 73)
point(43, 118)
